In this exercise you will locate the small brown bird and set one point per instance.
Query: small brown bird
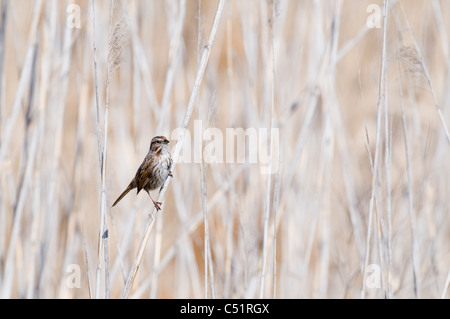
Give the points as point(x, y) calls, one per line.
point(153, 171)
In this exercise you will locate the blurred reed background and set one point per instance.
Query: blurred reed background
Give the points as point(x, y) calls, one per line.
point(358, 207)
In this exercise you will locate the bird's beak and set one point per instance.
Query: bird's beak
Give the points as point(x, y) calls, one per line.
point(166, 141)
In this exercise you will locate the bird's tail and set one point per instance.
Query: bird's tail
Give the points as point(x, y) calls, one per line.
point(129, 188)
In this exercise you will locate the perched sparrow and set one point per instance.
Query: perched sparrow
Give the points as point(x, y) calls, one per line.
point(153, 171)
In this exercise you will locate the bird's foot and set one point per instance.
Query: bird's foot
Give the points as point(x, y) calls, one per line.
point(157, 205)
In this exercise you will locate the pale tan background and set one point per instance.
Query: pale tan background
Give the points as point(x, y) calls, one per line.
point(325, 105)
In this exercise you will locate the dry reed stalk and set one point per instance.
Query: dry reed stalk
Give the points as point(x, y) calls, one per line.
point(3, 14)
point(381, 99)
point(117, 42)
point(99, 144)
point(410, 187)
point(209, 269)
point(176, 23)
point(447, 283)
point(421, 59)
point(86, 260)
point(207, 255)
point(24, 78)
point(231, 119)
point(271, 118)
point(203, 166)
point(58, 106)
point(411, 214)
point(387, 164)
